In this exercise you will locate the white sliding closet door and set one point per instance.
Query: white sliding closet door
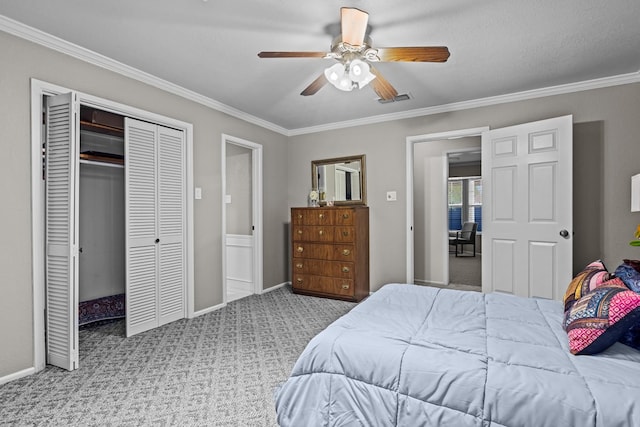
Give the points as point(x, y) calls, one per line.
point(61, 197)
point(155, 225)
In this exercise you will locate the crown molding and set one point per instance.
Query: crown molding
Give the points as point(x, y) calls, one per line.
point(621, 79)
point(26, 32)
point(57, 44)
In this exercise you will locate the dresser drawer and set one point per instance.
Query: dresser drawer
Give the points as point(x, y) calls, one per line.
point(313, 216)
point(313, 233)
point(320, 251)
point(344, 234)
point(326, 285)
point(343, 217)
point(343, 270)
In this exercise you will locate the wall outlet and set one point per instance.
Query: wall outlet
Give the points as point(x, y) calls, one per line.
point(391, 196)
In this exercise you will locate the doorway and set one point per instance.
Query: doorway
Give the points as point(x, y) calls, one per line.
point(464, 212)
point(241, 218)
point(428, 226)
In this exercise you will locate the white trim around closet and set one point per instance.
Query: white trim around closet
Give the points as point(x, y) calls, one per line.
point(38, 90)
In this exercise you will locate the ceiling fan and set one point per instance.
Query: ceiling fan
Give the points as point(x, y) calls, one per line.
point(352, 49)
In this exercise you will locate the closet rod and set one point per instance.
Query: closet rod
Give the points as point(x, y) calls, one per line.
point(109, 165)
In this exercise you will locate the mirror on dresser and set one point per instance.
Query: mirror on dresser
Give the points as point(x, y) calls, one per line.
point(341, 180)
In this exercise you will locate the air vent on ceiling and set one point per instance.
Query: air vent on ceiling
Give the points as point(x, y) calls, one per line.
point(397, 98)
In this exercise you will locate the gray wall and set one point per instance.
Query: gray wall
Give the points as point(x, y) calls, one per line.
point(239, 219)
point(606, 146)
point(30, 60)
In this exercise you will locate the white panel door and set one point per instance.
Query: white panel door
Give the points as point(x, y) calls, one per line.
point(527, 208)
point(61, 197)
point(171, 225)
point(141, 206)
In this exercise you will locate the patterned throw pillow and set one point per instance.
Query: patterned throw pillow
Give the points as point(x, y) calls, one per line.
point(633, 263)
point(629, 274)
point(600, 318)
point(587, 280)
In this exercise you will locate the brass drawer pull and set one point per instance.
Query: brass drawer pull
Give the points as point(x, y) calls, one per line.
point(345, 252)
point(345, 286)
point(299, 265)
point(300, 249)
point(299, 216)
point(299, 280)
point(321, 215)
point(345, 269)
point(321, 232)
point(345, 215)
point(299, 231)
point(345, 233)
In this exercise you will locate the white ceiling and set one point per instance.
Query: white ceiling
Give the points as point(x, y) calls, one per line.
point(497, 47)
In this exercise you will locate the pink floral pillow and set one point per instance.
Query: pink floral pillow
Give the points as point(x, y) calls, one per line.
point(595, 321)
point(587, 280)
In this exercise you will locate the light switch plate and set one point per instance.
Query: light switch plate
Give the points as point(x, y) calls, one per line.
point(198, 193)
point(391, 196)
point(227, 198)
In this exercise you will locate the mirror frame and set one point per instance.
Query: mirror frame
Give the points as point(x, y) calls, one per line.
point(363, 177)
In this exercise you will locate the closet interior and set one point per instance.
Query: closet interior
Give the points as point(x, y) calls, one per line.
point(101, 219)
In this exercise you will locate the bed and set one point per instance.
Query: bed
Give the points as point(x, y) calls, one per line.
point(420, 356)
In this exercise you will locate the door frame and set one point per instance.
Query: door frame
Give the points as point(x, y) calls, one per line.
point(410, 141)
point(256, 208)
point(39, 89)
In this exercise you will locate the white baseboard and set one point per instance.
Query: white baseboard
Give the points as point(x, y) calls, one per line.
point(17, 375)
point(219, 306)
point(273, 288)
point(208, 310)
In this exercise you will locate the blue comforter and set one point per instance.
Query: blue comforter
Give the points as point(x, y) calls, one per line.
point(420, 356)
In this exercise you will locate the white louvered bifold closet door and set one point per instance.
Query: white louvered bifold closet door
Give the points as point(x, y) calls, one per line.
point(61, 232)
point(155, 204)
point(171, 226)
point(140, 219)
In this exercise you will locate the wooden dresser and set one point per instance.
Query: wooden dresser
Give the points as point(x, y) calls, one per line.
point(330, 252)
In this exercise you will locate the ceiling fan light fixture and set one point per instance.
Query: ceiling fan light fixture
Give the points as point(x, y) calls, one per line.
point(346, 76)
point(337, 75)
point(359, 73)
point(334, 73)
point(345, 84)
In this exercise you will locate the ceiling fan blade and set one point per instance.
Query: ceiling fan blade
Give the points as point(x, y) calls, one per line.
point(381, 86)
point(354, 25)
point(414, 54)
point(292, 54)
point(315, 86)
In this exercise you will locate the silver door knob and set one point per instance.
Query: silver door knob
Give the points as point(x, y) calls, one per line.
point(564, 233)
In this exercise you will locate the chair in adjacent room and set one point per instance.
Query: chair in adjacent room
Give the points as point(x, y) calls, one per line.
point(466, 236)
